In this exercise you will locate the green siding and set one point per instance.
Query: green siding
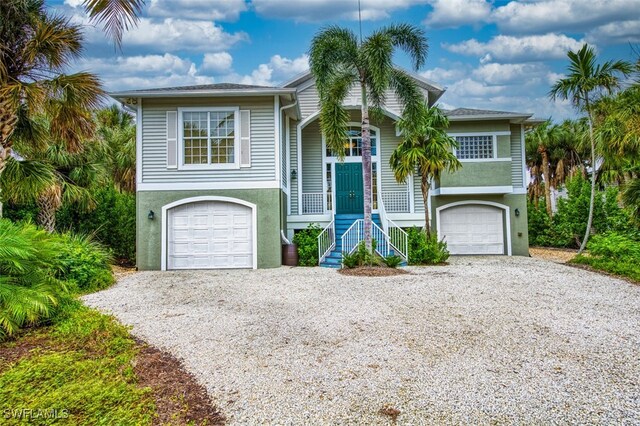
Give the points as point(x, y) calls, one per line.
point(519, 229)
point(149, 243)
point(485, 173)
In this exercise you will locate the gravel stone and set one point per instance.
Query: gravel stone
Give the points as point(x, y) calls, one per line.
point(482, 340)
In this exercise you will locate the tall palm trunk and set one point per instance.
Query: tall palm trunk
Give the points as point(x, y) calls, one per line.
point(546, 173)
point(592, 199)
point(8, 120)
point(424, 186)
point(48, 204)
point(366, 168)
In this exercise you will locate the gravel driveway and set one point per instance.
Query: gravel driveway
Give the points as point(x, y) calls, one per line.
point(483, 340)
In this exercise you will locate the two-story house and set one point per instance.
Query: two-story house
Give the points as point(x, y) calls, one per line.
point(226, 171)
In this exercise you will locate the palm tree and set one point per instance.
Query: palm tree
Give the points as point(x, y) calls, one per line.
point(116, 16)
point(53, 176)
point(427, 148)
point(542, 137)
point(117, 132)
point(338, 62)
point(585, 82)
point(35, 50)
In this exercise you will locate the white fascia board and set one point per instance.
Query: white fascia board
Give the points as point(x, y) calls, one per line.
point(139, 160)
point(472, 133)
point(515, 117)
point(120, 96)
point(185, 186)
point(463, 190)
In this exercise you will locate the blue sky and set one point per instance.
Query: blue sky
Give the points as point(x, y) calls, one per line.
point(501, 55)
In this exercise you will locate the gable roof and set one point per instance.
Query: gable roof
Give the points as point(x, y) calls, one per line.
point(459, 114)
point(434, 89)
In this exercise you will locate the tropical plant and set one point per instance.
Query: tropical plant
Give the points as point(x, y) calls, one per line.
point(83, 263)
point(541, 138)
point(427, 148)
point(52, 176)
point(615, 253)
point(586, 81)
point(339, 61)
point(363, 257)
point(116, 16)
point(426, 250)
point(117, 132)
point(307, 242)
point(29, 289)
point(392, 261)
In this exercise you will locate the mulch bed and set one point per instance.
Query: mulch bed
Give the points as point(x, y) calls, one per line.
point(372, 271)
point(559, 255)
point(179, 398)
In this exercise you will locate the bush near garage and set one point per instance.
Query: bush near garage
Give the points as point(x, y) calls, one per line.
point(307, 242)
point(424, 250)
point(614, 253)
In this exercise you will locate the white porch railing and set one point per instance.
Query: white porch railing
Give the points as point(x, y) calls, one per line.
point(396, 201)
point(398, 239)
point(326, 241)
point(312, 203)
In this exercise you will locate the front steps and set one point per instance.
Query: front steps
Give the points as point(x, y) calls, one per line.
point(343, 222)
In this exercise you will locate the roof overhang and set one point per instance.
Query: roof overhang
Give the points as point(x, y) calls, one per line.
point(210, 93)
point(513, 118)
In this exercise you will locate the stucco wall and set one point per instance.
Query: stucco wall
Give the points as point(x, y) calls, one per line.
point(519, 229)
point(149, 238)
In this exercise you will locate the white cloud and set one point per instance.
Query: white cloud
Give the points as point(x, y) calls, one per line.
point(277, 70)
point(509, 48)
point(217, 62)
point(73, 3)
point(616, 32)
point(323, 10)
point(454, 13)
point(561, 15)
point(145, 71)
point(469, 87)
point(219, 10)
point(495, 73)
point(171, 35)
point(442, 75)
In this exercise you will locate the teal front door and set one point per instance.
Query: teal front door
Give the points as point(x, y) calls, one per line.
point(349, 193)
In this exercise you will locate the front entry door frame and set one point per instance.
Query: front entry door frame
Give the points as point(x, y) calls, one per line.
point(348, 189)
point(375, 159)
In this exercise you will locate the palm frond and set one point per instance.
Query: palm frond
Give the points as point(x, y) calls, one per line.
point(116, 16)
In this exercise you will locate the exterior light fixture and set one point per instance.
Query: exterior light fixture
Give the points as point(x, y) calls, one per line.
point(517, 212)
point(151, 215)
point(294, 174)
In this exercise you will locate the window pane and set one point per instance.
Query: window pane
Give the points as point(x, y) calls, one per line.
point(195, 151)
point(222, 151)
point(474, 147)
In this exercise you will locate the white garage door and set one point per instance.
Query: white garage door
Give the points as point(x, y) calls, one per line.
point(209, 235)
point(473, 229)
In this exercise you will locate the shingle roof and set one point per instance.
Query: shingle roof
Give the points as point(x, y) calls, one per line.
point(217, 86)
point(466, 112)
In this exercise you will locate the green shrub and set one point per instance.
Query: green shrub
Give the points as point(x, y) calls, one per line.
point(84, 263)
point(424, 250)
point(112, 222)
point(362, 257)
point(392, 261)
point(614, 253)
point(29, 288)
point(307, 242)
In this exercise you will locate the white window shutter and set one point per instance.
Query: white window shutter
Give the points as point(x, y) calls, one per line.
point(172, 139)
point(245, 138)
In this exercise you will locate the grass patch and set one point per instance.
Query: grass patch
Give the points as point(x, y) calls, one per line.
point(80, 369)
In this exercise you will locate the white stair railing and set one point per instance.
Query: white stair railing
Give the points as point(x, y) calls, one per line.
point(326, 241)
point(381, 240)
point(352, 236)
point(397, 237)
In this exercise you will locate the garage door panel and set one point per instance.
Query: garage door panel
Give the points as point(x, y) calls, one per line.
point(473, 229)
point(210, 234)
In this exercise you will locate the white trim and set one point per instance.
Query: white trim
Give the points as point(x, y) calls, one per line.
point(185, 186)
point(471, 133)
point(460, 190)
point(519, 191)
point(494, 146)
point(276, 122)
point(412, 194)
point(504, 207)
point(170, 93)
point(236, 143)
point(484, 160)
point(167, 207)
point(139, 160)
point(524, 163)
point(306, 85)
point(287, 148)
